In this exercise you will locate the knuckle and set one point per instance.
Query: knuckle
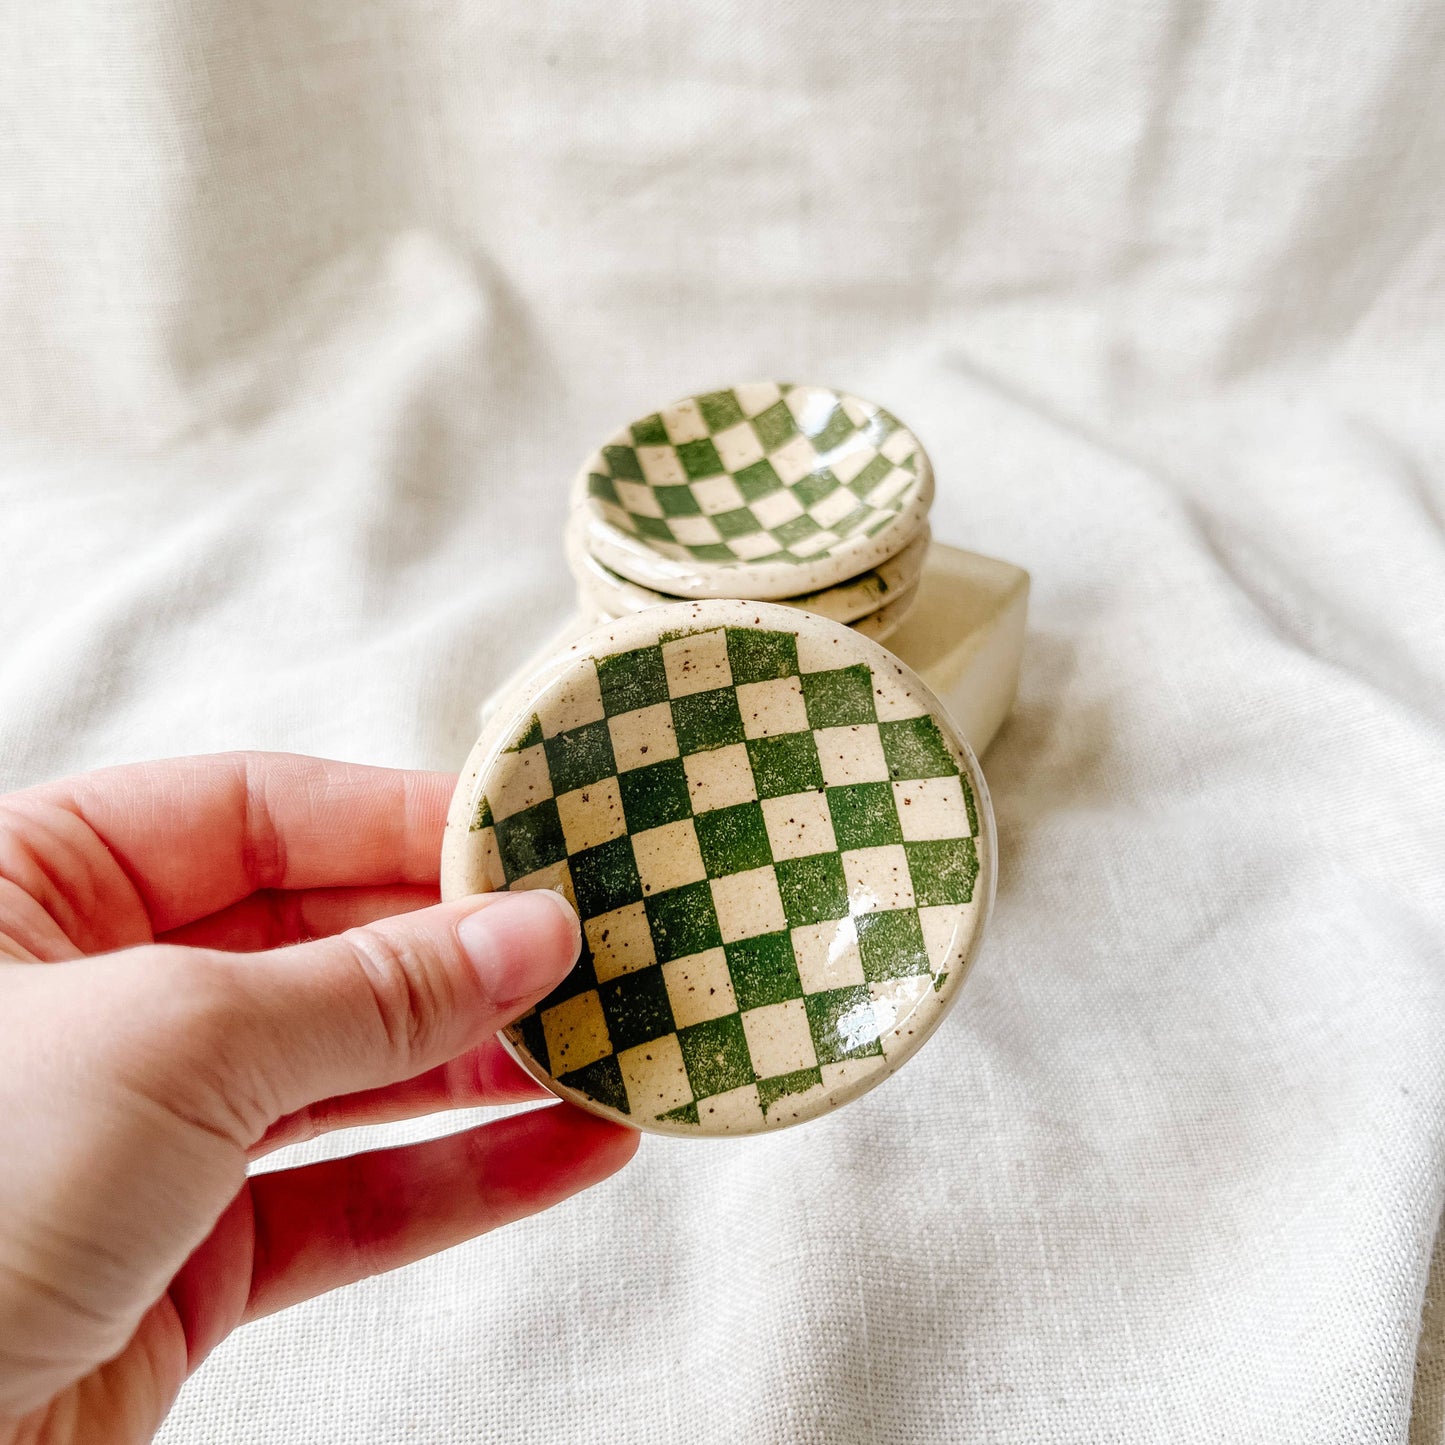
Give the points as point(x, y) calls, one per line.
point(407, 984)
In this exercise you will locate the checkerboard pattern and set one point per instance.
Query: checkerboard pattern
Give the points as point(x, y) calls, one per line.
point(758, 474)
point(773, 856)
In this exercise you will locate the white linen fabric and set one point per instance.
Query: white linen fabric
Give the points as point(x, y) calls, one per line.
point(309, 311)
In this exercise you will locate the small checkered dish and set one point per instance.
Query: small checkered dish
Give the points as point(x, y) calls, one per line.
point(764, 490)
point(781, 851)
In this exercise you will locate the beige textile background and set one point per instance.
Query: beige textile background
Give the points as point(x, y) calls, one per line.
point(309, 311)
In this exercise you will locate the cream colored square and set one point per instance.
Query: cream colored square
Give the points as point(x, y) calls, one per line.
point(827, 955)
point(878, 879)
point(556, 876)
point(695, 531)
point(931, 808)
point(660, 466)
point(620, 941)
point(772, 707)
point(574, 702)
point(779, 1039)
point(655, 1076)
point(855, 410)
point(811, 406)
point(810, 546)
point(833, 508)
point(851, 754)
point(717, 494)
point(738, 447)
point(748, 904)
point(900, 445)
point(896, 1011)
point(794, 459)
point(699, 987)
point(944, 925)
point(684, 422)
point(520, 781)
point(576, 1032)
point(737, 1110)
point(639, 499)
point(799, 825)
point(851, 456)
point(847, 1073)
point(697, 664)
point(643, 736)
point(482, 863)
point(756, 396)
point(719, 778)
point(668, 857)
point(776, 508)
point(752, 545)
point(591, 815)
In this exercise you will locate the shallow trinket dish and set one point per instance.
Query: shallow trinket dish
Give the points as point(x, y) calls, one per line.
point(781, 849)
point(763, 490)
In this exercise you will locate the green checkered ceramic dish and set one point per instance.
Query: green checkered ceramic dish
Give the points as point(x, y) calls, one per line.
point(764, 490)
point(614, 596)
point(781, 851)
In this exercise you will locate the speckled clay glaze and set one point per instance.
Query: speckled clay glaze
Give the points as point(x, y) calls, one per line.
point(781, 850)
point(764, 490)
point(614, 596)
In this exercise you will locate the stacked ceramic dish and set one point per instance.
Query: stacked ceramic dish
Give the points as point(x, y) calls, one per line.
point(799, 495)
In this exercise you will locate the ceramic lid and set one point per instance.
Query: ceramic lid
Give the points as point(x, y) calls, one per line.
point(614, 596)
point(764, 490)
point(780, 847)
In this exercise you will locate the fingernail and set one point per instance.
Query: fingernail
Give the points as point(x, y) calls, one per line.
point(522, 944)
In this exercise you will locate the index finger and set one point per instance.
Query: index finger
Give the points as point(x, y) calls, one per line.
point(197, 834)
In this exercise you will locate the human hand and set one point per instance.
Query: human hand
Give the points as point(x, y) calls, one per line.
point(163, 1023)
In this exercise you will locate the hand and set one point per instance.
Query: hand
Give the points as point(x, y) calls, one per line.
point(162, 1023)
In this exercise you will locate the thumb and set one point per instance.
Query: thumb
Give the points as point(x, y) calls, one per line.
point(382, 1003)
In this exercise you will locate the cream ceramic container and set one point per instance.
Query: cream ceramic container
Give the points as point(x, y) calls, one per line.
point(763, 490)
point(780, 846)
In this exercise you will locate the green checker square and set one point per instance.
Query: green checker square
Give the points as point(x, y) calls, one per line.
point(682, 921)
point(842, 1024)
point(530, 738)
point(740, 522)
point(733, 840)
point(870, 476)
point(763, 970)
point(581, 977)
point(655, 529)
point(654, 795)
point(603, 488)
point(835, 429)
point(685, 1114)
point(623, 464)
point(815, 486)
point(605, 877)
point(842, 697)
point(864, 815)
point(579, 757)
point(761, 656)
point(649, 432)
point(813, 889)
point(891, 944)
point(943, 870)
point(914, 748)
point(601, 1080)
point(636, 1008)
point(530, 840)
point(967, 803)
point(849, 523)
point(677, 501)
point(713, 552)
point(774, 426)
point(630, 680)
point(700, 458)
point(716, 1056)
point(707, 720)
point(483, 818)
point(720, 410)
point(798, 1082)
point(758, 480)
point(787, 763)
point(795, 529)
